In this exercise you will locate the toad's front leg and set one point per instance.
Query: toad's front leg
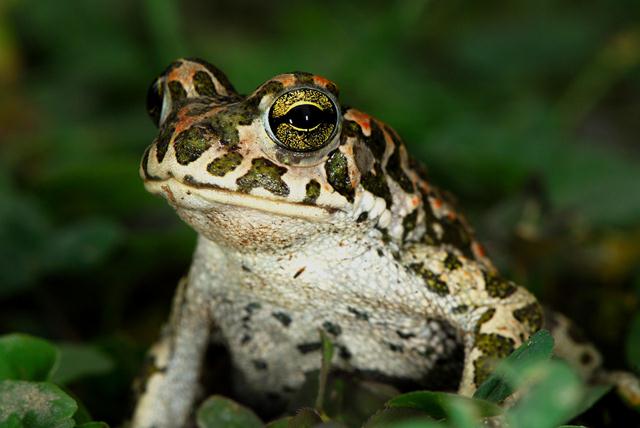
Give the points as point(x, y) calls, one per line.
point(494, 331)
point(169, 390)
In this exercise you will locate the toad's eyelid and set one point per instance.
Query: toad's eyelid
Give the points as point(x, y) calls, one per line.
point(302, 103)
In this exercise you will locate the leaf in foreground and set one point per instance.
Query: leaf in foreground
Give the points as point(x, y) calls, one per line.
point(499, 386)
point(24, 357)
point(555, 393)
point(438, 404)
point(218, 411)
point(35, 405)
point(77, 361)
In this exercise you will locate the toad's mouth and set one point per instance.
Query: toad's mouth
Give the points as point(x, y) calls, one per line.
point(190, 194)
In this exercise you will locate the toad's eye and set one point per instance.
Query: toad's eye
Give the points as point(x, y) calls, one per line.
point(303, 120)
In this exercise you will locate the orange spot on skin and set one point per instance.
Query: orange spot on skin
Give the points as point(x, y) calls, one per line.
point(415, 201)
point(286, 79)
point(451, 215)
point(169, 193)
point(436, 203)
point(321, 81)
point(362, 119)
point(478, 250)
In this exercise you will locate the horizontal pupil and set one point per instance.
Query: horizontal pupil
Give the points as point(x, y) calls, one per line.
point(306, 116)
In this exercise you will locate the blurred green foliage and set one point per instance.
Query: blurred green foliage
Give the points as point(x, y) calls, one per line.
point(527, 110)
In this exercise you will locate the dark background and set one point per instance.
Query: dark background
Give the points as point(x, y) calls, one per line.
point(529, 111)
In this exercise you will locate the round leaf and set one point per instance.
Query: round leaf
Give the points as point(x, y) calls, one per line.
point(23, 357)
point(219, 411)
point(35, 405)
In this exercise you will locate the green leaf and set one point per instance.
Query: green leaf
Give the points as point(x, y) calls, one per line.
point(539, 347)
point(554, 392)
point(77, 361)
point(218, 411)
point(35, 405)
point(437, 404)
point(325, 368)
point(24, 357)
point(305, 418)
point(590, 397)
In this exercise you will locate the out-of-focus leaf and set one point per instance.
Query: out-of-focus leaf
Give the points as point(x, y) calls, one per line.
point(590, 396)
point(390, 416)
point(538, 347)
point(219, 411)
point(35, 405)
point(633, 344)
point(23, 357)
point(82, 245)
point(77, 361)
point(436, 404)
point(554, 393)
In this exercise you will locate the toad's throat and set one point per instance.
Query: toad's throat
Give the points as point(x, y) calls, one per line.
point(202, 196)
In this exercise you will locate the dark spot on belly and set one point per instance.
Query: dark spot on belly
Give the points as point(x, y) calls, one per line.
point(586, 358)
point(403, 335)
point(259, 364)
point(305, 348)
point(283, 317)
point(299, 272)
point(362, 217)
point(361, 315)
point(246, 338)
point(332, 328)
point(265, 174)
point(395, 347)
point(337, 170)
point(344, 353)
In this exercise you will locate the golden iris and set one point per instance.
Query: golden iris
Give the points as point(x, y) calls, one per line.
point(303, 120)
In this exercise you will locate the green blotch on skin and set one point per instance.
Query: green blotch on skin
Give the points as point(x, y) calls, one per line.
point(203, 84)
point(224, 164)
point(337, 170)
point(409, 223)
point(430, 236)
point(451, 262)
point(178, 94)
point(394, 168)
point(191, 143)
point(494, 347)
point(313, 191)
point(531, 316)
point(431, 280)
point(265, 174)
point(485, 317)
point(498, 287)
point(162, 144)
point(377, 184)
